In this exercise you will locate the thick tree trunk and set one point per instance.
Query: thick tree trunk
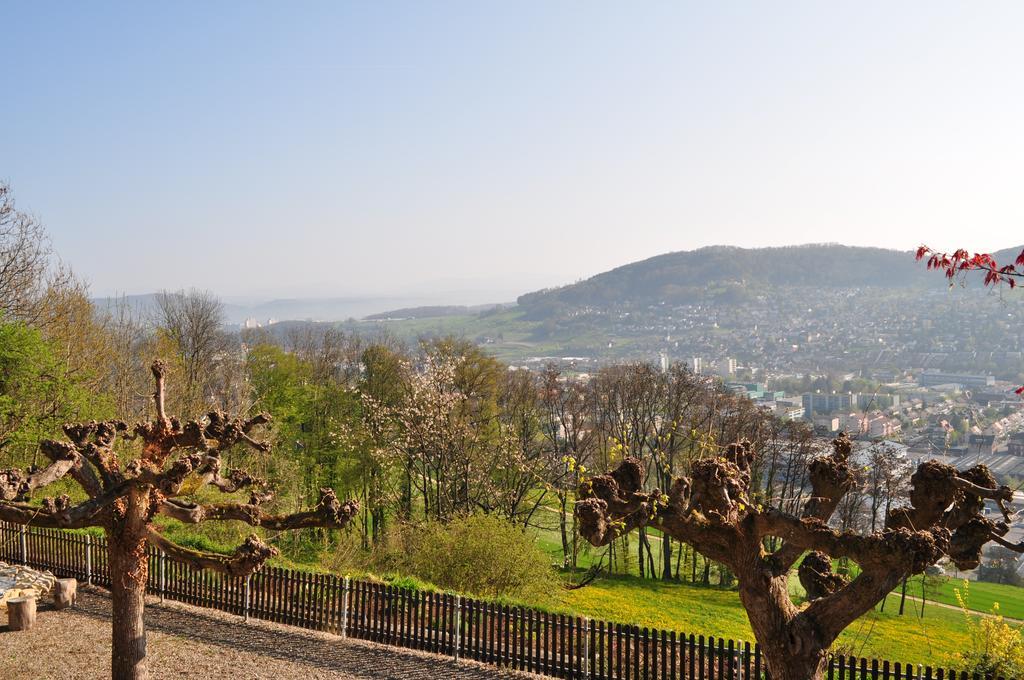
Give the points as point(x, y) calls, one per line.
point(789, 654)
point(786, 666)
point(129, 568)
point(128, 657)
point(792, 646)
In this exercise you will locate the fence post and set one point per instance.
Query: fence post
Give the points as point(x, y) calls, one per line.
point(24, 545)
point(163, 571)
point(457, 633)
point(586, 648)
point(88, 560)
point(248, 592)
point(344, 608)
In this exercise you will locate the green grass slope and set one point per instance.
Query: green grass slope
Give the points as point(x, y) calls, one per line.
point(981, 597)
point(712, 611)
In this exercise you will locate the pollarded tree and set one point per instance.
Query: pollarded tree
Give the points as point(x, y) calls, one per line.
point(713, 510)
point(124, 496)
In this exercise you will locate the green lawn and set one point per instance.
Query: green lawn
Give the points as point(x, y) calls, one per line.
point(698, 609)
point(712, 611)
point(980, 596)
point(514, 338)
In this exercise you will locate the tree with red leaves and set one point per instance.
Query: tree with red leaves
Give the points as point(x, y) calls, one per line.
point(960, 262)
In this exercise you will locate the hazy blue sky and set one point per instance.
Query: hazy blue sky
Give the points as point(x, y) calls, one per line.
point(341, 148)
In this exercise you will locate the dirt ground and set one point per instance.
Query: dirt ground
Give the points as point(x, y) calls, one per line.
point(187, 642)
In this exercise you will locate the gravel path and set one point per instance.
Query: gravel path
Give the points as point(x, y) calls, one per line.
point(188, 642)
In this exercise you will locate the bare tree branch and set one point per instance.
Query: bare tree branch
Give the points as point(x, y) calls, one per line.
point(16, 485)
point(58, 513)
point(158, 367)
point(81, 470)
point(830, 478)
point(246, 559)
point(329, 513)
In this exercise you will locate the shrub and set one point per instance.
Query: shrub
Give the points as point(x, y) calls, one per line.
point(480, 554)
point(996, 648)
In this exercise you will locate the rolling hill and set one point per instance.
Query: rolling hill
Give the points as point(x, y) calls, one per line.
point(740, 272)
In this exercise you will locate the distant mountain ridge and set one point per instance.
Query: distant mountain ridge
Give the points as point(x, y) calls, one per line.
point(741, 271)
point(293, 309)
point(718, 273)
point(432, 311)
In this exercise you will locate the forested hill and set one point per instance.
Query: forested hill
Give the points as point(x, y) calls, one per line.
point(731, 271)
point(432, 311)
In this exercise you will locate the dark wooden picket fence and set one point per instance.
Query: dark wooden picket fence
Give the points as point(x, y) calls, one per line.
point(554, 645)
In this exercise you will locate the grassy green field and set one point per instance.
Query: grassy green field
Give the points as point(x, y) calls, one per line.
point(693, 608)
point(703, 610)
point(510, 336)
point(981, 597)
point(713, 611)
